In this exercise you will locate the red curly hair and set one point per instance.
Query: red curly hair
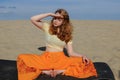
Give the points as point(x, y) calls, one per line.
point(65, 33)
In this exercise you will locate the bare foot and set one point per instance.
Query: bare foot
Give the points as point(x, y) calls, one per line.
point(56, 72)
point(47, 72)
point(52, 73)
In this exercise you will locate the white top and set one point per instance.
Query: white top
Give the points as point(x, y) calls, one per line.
point(52, 40)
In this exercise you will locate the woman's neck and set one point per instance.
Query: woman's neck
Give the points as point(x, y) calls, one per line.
point(58, 30)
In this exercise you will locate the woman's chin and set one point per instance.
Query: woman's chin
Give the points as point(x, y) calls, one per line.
point(56, 26)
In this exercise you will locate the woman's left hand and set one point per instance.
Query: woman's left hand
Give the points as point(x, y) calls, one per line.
point(85, 60)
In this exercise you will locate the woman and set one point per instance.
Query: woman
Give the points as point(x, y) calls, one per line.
point(53, 61)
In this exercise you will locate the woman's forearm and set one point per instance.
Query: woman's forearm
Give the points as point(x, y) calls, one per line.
point(71, 51)
point(75, 54)
point(40, 16)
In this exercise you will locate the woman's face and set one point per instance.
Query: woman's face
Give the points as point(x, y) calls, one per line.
point(58, 21)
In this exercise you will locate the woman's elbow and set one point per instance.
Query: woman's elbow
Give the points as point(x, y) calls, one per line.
point(32, 19)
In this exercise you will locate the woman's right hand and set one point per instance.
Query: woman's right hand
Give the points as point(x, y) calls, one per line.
point(55, 15)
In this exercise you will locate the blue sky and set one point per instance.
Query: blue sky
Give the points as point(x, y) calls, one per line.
point(78, 9)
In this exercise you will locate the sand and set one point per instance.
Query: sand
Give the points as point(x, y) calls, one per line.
point(98, 40)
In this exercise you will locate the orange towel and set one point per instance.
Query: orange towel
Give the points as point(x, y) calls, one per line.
point(30, 65)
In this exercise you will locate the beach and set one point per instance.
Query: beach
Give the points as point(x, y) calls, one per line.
point(99, 40)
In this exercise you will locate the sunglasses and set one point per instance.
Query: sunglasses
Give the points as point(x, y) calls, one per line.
point(58, 18)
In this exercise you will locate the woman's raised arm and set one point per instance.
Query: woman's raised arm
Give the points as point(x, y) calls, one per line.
point(37, 19)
